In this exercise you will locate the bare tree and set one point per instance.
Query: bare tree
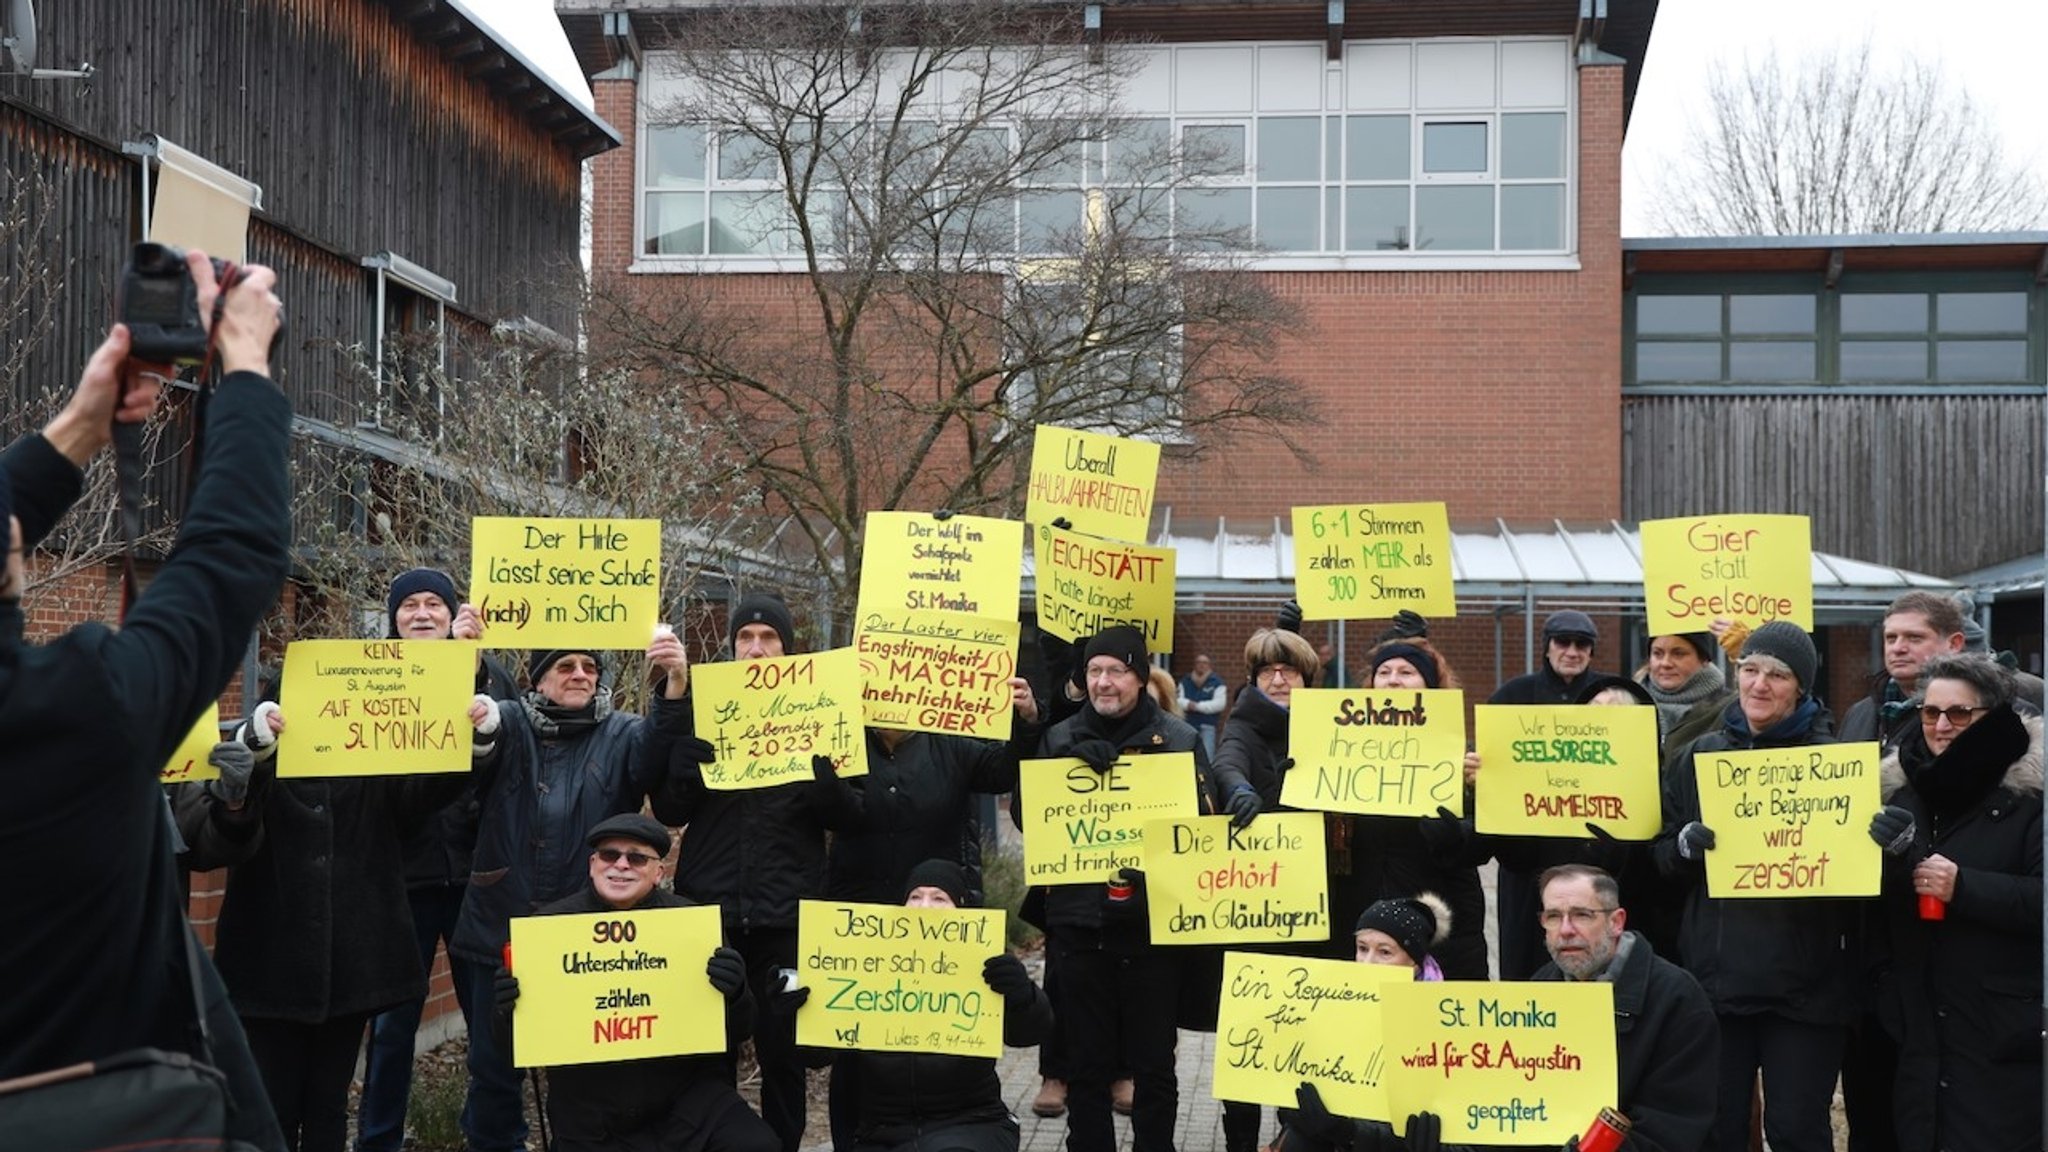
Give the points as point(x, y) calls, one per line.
point(1835, 144)
point(975, 238)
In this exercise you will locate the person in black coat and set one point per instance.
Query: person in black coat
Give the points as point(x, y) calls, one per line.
point(1962, 828)
point(97, 964)
point(661, 1103)
point(1776, 969)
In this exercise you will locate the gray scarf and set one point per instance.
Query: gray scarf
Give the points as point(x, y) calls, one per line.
point(1672, 706)
point(551, 721)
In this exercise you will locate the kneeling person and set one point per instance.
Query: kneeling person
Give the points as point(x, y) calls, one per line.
point(670, 1103)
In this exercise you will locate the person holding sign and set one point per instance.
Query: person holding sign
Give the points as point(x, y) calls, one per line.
point(550, 766)
point(1774, 969)
point(1962, 897)
point(665, 1102)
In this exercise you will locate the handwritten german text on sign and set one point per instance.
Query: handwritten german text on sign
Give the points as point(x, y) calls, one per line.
point(1502, 1063)
point(189, 761)
point(551, 583)
point(966, 564)
point(893, 979)
point(1285, 1019)
point(1086, 585)
point(1751, 569)
point(767, 718)
point(615, 986)
point(1102, 484)
point(1392, 752)
point(1081, 825)
point(1209, 883)
point(1549, 770)
point(376, 707)
point(938, 672)
point(1369, 561)
point(1790, 821)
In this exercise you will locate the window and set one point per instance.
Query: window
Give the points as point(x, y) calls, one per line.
point(1752, 337)
point(409, 313)
point(1940, 337)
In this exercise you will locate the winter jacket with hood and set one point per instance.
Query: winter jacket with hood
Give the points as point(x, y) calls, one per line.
point(916, 803)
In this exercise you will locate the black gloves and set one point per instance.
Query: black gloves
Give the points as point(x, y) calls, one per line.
point(1288, 618)
point(505, 990)
point(1062, 662)
point(694, 749)
point(1097, 753)
point(1893, 829)
point(727, 971)
point(1425, 1132)
point(1242, 804)
point(943, 515)
point(1694, 839)
point(1444, 833)
point(1408, 625)
point(1317, 1122)
point(1007, 978)
point(236, 763)
point(785, 1004)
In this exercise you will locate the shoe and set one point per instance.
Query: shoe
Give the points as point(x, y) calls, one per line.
point(1051, 1101)
point(1120, 1094)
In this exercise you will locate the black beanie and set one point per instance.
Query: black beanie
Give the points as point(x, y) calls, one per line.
point(1702, 643)
point(762, 608)
point(1601, 682)
point(632, 826)
point(413, 582)
point(944, 875)
point(1123, 642)
point(542, 659)
point(1786, 641)
point(1417, 923)
point(1424, 662)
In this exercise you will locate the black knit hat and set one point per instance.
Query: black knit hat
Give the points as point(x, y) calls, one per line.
point(1416, 923)
point(1570, 622)
point(1789, 643)
point(631, 826)
point(1603, 681)
point(944, 875)
point(413, 582)
point(762, 608)
point(542, 659)
point(1425, 662)
point(1123, 642)
point(1702, 643)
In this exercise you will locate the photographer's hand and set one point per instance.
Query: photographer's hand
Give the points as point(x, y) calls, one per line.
point(248, 323)
point(111, 388)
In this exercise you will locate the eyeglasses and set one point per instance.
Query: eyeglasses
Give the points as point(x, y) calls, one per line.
point(636, 859)
point(1958, 716)
point(1580, 917)
point(1573, 642)
point(1273, 672)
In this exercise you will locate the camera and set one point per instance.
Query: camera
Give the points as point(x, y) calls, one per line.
point(159, 302)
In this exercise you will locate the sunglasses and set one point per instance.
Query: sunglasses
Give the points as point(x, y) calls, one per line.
point(1958, 716)
point(636, 859)
point(1572, 642)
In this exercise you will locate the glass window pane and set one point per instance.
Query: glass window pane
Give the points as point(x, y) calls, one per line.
point(1213, 149)
point(1983, 361)
point(744, 223)
point(1679, 315)
point(675, 224)
point(1452, 147)
point(1333, 219)
point(1532, 216)
point(1882, 312)
point(1532, 146)
point(1207, 212)
point(1883, 361)
point(1453, 219)
point(1287, 219)
point(745, 158)
point(1999, 312)
point(1376, 220)
point(1376, 148)
point(1138, 151)
point(675, 157)
point(1691, 362)
point(1051, 220)
point(1290, 148)
point(1787, 360)
point(981, 152)
point(1770, 314)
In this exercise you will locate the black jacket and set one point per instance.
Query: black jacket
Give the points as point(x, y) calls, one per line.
point(440, 853)
point(1782, 955)
point(906, 1094)
point(1515, 898)
point(663, 1102)
point(1543, 686)
point(1963, 994)
point(95, 961)
point(916, 803)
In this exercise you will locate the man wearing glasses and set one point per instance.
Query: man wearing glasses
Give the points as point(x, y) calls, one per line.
point(663, 1101)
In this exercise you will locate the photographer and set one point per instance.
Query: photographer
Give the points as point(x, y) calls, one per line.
point(98, 962)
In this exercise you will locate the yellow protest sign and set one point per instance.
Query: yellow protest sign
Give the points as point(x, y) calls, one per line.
point(1369, 561)
point(938, 672)
point(1501, 1063)
point(1086, 585)
point(1790, 821)
point(1551, 769)
point(550, 583)
point(1209, 883)
point(1285, 1019)
point(189, 761)
point(1081, 825)
point(615, 986)
point(966, 564)
point(376, 707)
point(767, 718)
point(892, 979)
point(1392, 752)
point(1101, 484)
point(1751, 569)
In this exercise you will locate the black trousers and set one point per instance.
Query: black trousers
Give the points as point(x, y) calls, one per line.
point(782, 1072)
point(306, 1070)
point(1118, 1003)
point(730, 1126)
point(994, 1136)
point(1799, 1062)
point(1870, 1065)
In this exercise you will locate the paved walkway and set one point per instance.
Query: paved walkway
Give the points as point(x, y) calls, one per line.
point(1199, 1129)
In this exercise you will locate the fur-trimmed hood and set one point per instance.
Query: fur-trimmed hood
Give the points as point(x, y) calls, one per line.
point(2022, 777)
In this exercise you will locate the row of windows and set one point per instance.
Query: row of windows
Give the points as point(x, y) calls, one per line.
point(1950, 337)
